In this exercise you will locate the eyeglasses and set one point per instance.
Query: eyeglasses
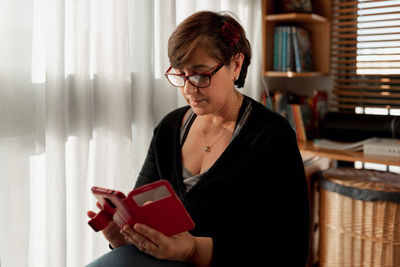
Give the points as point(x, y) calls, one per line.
point(200, 80)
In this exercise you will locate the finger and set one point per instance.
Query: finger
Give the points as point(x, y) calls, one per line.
point(140, 241)
point(98, 204)
point(155, 236)
point(132, 236)
point(149, 247)
point(91, 214)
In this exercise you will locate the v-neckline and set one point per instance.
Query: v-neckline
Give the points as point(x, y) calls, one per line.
point(211, 169)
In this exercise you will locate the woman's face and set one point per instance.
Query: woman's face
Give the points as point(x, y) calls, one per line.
point(214, 98)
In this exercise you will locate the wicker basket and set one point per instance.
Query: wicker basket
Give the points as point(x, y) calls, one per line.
point(359, 218)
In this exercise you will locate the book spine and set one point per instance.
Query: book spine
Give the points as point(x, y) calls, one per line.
point(284, 48)
point(280, 32)
point(289, 49)
point(301, 135)
point(305, 49)
point(276, 48)
point(289, 116)
point(264, 98)
point(296, 49)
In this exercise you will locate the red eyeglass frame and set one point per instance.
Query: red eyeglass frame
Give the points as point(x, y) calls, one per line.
point(186, 78)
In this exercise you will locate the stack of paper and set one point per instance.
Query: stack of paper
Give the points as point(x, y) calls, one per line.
point(328, 144)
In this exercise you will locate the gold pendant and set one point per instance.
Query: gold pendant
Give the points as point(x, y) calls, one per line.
point(207, 148)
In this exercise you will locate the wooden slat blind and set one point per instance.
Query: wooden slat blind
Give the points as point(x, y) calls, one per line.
point(365, 55)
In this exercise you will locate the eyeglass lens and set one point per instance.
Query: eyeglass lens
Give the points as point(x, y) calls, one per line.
point(196, 80)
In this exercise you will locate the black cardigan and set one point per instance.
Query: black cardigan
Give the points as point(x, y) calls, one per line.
point(253, 201)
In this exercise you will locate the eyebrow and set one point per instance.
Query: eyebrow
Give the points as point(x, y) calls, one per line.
point(196, 67)
point(199, 66)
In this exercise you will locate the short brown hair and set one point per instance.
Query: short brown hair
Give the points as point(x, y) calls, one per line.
point(220, 34)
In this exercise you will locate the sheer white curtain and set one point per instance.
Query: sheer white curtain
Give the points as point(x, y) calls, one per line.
point(81, 88)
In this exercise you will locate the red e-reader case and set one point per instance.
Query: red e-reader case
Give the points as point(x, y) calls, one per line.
point(155, 205)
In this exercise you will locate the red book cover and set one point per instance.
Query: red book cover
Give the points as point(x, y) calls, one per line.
point(155, 205)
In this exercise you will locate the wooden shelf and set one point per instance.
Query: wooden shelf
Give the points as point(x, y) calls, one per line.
point(296, 17)
point(309, 148)
point(290, 74)
point(318, 25)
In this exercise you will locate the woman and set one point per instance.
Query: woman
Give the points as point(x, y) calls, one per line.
point(234, 164)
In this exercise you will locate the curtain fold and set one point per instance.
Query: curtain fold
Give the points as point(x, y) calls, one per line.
point(81, 89)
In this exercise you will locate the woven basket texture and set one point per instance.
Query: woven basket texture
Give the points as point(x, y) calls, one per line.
point(356, 232)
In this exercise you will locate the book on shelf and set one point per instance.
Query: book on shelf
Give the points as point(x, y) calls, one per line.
point(284, 48)
point(372, 146)
point(289, 50)
point(266, 100)
point(286, 6)
point(292, 49)
point(320, 107)
point(300, 111)
point(276, 45)
point(302, 49)
point(383, 146)
point(280, 45)
point(350, 146)
point(300, 116)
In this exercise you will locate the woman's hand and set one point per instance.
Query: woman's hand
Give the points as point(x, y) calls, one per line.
point(180, 247)
point(111, 232)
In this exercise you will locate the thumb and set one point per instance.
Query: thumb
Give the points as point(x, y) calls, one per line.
point(91, 214)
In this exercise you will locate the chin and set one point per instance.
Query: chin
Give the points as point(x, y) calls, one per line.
point(198, 110)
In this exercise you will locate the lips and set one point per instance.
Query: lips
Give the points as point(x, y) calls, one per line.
point(198, 101)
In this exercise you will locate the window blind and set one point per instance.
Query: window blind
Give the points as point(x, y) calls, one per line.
point(365, 56)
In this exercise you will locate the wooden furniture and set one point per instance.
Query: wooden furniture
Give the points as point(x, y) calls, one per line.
point(323, 160)
point(318, 23)
point(309, 148)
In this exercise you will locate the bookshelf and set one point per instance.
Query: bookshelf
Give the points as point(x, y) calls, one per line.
point(318, 25)
point(308, 148)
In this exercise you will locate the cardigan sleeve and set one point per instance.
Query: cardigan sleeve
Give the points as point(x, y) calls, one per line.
point(149, 172)
point(271, 221)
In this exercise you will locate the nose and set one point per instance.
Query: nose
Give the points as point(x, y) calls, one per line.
point(189, 88)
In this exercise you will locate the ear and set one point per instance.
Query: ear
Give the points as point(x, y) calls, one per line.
point(236, 63)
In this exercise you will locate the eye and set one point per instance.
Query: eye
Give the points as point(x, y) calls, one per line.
point(199, 78)
point(177, 71)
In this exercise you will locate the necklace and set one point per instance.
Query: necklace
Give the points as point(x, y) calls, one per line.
point(207, 148)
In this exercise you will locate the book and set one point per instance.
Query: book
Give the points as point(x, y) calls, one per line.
point(351, 146)
point(277, 51)
point(284, 48)
point(302, 50)
point(264, 98)
point(296, 53)
point(289, 49)
point(154, 204)
point(299, 111)
point(298, 122)
point(280, 103)
point(307, 119)
point(286, 6)
point(301, 118)
point(295, 6)
point(383, 147)
point(290, 117)
point(276, 48)
point(319, 108)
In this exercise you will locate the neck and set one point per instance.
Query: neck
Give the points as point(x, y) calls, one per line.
point(228, 113)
